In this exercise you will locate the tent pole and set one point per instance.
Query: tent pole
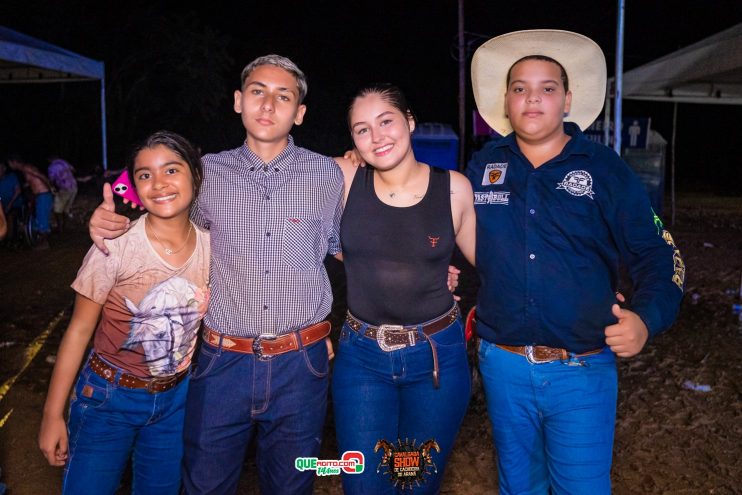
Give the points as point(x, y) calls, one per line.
point(619, 77)
point(672, 160)
point(103, 120)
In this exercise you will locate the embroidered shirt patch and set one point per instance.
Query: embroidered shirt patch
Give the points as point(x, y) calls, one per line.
point(577, 183)
point(494, 174)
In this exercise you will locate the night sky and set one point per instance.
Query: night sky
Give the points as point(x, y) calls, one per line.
point(171, 66)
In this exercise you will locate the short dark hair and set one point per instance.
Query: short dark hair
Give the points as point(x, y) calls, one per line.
point(543, 58)
point(178, 145)
point(389, 93)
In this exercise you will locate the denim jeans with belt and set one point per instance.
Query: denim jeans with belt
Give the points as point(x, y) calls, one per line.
point(379, 395)
point(109, 423)
point(280, 401)
point(553, 422)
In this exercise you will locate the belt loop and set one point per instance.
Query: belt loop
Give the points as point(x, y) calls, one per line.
point(299, 340)
point(362, 330)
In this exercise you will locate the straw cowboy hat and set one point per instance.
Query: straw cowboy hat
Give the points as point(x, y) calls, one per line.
point(581, 57)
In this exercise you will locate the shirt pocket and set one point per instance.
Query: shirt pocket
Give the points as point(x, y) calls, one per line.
point(301, 244)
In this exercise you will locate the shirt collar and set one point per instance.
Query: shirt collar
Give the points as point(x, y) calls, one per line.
point(578, 145)
point(282, 162)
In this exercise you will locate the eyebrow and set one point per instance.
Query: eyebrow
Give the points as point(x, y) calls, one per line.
point(553, 81)
point(382, 114)
point(263, 85)
point(172, 162)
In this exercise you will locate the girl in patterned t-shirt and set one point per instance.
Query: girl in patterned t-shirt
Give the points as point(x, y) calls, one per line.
point(149, 294)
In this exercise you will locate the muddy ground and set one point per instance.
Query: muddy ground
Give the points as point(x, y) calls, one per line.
point(670, 439)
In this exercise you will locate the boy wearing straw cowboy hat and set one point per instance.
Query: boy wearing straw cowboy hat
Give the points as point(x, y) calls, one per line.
point(556, 216)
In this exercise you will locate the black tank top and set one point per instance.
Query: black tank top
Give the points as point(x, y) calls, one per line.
point(396, 259)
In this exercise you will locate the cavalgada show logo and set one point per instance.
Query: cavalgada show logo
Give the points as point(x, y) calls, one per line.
point(407, 465)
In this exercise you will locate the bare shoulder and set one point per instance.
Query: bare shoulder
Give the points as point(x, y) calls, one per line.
point(460, 184)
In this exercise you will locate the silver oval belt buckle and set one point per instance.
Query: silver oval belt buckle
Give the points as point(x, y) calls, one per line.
point(531, 357)
point(385, 331)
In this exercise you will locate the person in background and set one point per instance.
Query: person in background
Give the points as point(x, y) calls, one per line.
point(557, 214)
point(11, 199)
point(62, 176)
point(42, 192)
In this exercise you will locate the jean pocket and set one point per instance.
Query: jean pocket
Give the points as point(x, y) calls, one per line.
point(301, 243)
point(207, 355)
point(316, 359)
point(91, 391)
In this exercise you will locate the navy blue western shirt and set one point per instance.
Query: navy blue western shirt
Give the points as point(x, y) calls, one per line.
point(550, 240)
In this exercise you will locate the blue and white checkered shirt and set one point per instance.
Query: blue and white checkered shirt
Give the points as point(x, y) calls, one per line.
point(271, 226)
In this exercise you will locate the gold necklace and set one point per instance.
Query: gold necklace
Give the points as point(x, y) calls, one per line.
point(169, 251)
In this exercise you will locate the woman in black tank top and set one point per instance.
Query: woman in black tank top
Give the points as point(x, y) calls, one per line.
point(401, 380)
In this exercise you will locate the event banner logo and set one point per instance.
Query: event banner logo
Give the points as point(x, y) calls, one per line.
point(351, 462)
point(407, 465)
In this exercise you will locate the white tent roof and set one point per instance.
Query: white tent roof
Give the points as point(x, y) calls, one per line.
point(709, 71)
point(24, 59)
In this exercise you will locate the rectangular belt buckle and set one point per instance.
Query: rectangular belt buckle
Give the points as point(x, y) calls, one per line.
point(388, 330)
point(154, 382)
point(531, 357)
point(257, 347)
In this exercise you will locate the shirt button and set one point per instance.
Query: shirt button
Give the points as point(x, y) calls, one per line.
point(275, 169)
point(252, 168)
point(532, 211)
point(265, 306)
point(532, 256)
point(265, 168)
point(267, 197)
point(267, 272)
point(268, 234)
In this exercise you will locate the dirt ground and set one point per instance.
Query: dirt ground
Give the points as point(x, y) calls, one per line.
point(670, 438)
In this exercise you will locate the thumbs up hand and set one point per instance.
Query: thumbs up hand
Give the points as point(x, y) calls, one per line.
point(627, 337)
point(105, 223)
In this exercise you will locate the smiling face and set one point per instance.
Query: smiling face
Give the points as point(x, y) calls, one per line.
point(269, 105)
point(380, 131)
point(163, 182)
point(536, 100)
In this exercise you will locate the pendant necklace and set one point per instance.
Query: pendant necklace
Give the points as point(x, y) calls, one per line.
point(169, 251)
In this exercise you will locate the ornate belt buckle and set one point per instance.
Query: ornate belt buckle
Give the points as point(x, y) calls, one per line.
point(257, 346)
point(388, 330)
point(531, 357)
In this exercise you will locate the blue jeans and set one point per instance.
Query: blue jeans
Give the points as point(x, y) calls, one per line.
point(234, 398)
point(552, 423)
point(108, 423)
point(379, 395)
point(43, 204)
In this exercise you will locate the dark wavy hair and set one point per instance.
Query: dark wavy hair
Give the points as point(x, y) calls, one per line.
point(178, 145)
point(543, 58)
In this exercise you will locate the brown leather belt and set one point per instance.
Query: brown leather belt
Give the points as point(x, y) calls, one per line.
point(268, 345)
point(539, 354)
point(393, 337)
point(152, 385)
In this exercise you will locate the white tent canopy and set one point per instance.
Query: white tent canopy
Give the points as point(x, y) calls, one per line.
point(709, 71)
point(24, 60)
point(706, 72)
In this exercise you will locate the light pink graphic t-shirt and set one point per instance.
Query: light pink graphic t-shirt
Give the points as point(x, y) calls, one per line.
point(151, 310)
